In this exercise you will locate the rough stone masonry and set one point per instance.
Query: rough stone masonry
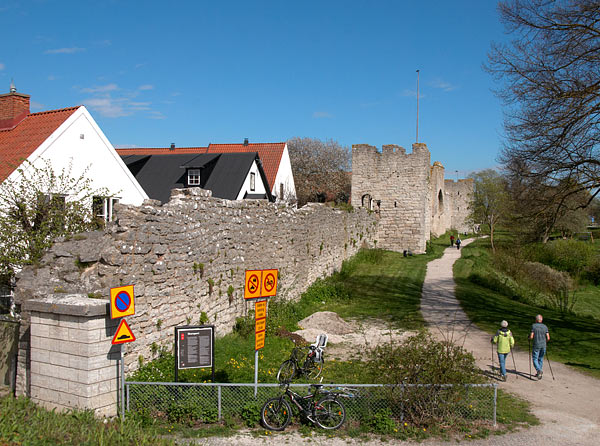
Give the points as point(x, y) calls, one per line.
point(410, 197)
point(189, 256)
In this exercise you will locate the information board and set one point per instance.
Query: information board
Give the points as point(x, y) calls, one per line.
point(194, 346)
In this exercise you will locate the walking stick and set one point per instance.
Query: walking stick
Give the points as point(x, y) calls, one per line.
point(529, 350)
point(514, 364)
point(492, 358)
point(549, 365)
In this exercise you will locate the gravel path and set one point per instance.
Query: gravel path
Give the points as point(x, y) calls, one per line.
point(568, 408)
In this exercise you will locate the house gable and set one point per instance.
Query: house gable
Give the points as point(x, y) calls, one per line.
point(79, 142)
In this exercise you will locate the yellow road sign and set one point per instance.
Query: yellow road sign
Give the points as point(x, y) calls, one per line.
point(269, 283)
point(261, 325)
point(122, 302)
point(123, 334)
point(260, 309)
point(252, 284)
point(259, 340)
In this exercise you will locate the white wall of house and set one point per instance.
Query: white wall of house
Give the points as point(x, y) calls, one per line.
point(259, 186)
point(284, 176)
point(80, 141)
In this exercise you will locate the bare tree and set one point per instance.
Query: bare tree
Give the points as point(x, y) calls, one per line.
point(321, 170)
point(550, 80)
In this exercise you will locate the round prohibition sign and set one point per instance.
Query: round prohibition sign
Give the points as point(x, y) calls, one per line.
point(253, 283)
point(123, 301)
point(269, 282)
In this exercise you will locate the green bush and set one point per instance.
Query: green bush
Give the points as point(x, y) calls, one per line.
point(251, 414)
point(592, 272)
point(382, 422)
point(572, 256)
point(420, 359)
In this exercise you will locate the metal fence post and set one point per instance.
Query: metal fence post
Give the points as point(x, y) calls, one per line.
point(127, 393)
point(219, 402)
point(495, 401)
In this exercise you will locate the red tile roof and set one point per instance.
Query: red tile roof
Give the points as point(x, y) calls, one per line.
point(18, 143)
point(269, 153)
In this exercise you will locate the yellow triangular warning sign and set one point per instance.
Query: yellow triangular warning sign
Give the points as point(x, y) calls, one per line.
point(123, 334)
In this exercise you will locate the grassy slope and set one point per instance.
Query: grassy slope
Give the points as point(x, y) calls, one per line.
point(575, 340)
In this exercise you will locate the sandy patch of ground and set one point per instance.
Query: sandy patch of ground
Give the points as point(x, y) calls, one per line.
point(348, 338)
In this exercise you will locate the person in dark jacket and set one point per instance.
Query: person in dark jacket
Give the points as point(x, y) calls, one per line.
point(539, 334)
point(506, 342)
point(458, 242)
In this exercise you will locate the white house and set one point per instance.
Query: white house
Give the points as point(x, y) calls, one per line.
point(275, 159)
point(64, 137)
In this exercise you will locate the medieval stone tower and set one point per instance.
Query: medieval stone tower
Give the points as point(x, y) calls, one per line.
point(410, 196)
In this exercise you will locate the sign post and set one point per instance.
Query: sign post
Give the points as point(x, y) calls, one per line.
point(122, 303)
point(258, 285)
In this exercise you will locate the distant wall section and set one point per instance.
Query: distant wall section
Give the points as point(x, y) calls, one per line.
point(395, 186)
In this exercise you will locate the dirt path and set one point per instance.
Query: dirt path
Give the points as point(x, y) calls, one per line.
point(569, 407)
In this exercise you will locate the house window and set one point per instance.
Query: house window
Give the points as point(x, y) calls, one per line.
point(252, 181)
point(102, 207)
point(194, 177)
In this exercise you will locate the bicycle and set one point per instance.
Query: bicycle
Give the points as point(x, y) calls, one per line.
point(327, 411)
point(310, 366)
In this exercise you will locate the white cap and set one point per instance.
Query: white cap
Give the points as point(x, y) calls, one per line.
point(504, 324)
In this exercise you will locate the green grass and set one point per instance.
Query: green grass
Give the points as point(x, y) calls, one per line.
point(575, 340)
point(24, 423)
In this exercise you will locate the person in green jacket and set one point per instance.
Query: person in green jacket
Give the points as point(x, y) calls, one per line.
point(505, 341)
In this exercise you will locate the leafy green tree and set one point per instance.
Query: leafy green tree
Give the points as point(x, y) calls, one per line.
point(39, 206)
point(490, 200)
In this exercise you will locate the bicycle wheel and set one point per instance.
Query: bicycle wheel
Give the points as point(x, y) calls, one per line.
point(330, 413)
point(276, 414)
point(313, 367)
point(286, 372)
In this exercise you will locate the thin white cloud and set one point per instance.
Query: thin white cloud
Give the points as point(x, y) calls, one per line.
point(51, 77)
point(126, 146)
point(322, 115)
point(71, 50)
point(442, 85)
point(139, 105)
point(105, 42)
point(2, 66)
point(109, 107)
point(37, 106)
point(156, 115)
point(100, 88)
point(412, 94)
point(146, 87)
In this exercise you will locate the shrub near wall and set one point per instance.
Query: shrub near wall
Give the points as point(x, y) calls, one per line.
point(187, 260)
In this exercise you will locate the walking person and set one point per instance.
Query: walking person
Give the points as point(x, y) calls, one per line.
point(458, 242)
point(539, 334)
point(506, 342)
point(452, 240)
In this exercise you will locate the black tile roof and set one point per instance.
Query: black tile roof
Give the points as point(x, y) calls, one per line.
point(222, 173)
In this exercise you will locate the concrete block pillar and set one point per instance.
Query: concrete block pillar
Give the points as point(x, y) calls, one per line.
point(73, 364)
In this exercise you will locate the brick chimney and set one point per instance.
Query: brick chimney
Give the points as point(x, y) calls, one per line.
point(14, 107)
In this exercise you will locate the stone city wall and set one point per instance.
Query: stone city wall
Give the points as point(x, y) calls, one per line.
point(396, 186)
point(460, 194)
point(189, 256)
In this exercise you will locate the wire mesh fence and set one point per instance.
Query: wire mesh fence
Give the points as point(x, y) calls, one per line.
point(414, 403)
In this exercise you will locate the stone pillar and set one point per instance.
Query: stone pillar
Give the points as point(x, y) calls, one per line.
point(73, 364)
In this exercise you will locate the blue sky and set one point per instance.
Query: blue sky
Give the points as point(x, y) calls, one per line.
point(195, 72)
